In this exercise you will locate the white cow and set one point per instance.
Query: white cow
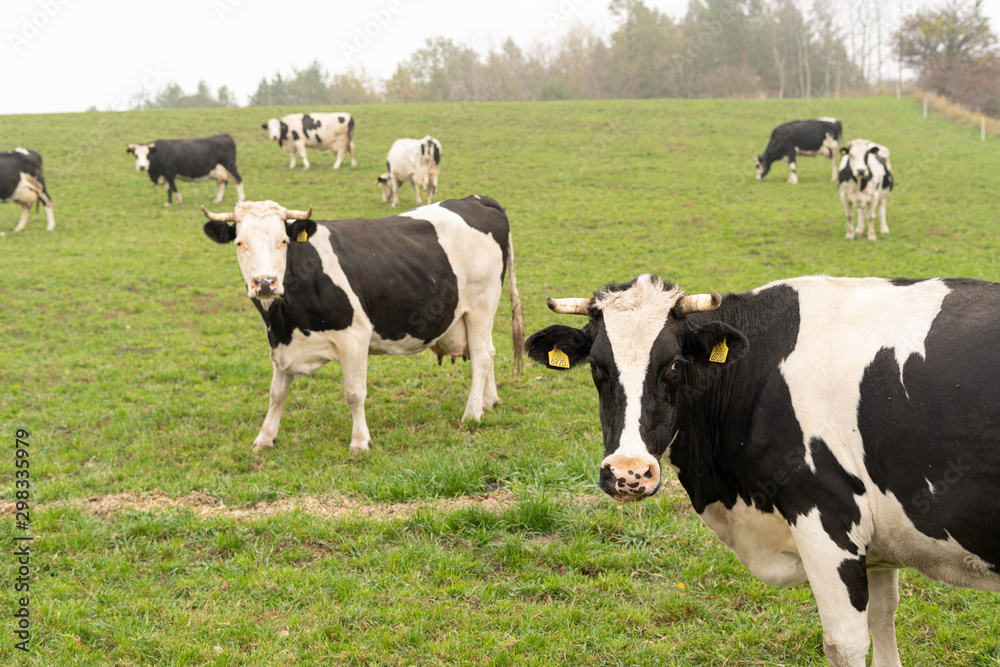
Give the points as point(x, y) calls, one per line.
point(865, 182)
point(334, 131)
point(415, 160)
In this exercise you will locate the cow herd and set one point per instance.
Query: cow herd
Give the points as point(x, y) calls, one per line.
point(830, 431)
point(864, 177)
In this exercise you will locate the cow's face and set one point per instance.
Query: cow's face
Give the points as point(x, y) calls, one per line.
point(141, 153)
point(855, 157)
point(383, 184)
point(273, 128)
point(261, 232)
point(643, 356)
point(762, 167)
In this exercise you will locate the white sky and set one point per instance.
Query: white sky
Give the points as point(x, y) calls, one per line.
point(69, 55)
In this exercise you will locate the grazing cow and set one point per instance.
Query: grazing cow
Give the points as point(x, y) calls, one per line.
point(801, 137)
point(415, 160)
point(340, 290)
point(865, 182)
point(334, 131)
point(829, 430)
point(189, 160)
point(22, 182)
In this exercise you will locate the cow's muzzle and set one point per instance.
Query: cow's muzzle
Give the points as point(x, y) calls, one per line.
point(630, 478)
point(265, 286)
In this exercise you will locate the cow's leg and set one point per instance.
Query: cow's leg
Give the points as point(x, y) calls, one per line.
point(240, 195)
point(301, 147)
point(221, 192)
point(490, 396)
point(860, 227)
point(171, 189)
point(883, 598)
point(281, 382)
point(872, 211)
point(354, 161)
point(884, 228)
point(291, 154)
point(833, 165)
point(431, 190)
point(354, 364)
point(479, 329)
point(839, 582)
point(23, 222)
point(340, 157)
point(850, 219)
point(792, 174)
point(394, 184)
point(416, 192)
point(51, 218)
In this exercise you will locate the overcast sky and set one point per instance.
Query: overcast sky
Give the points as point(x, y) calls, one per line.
point(70, 55)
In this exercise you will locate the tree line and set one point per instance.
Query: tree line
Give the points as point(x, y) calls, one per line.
point(721, 48)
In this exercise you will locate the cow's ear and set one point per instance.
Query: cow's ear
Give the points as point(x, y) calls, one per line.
point(130, 149)
point(715, 342)
point(296, 228)
point(843, 150)
point(263, 126)
point(546, 345)
point(874, 150)
point(220, 232)
point(152, 148)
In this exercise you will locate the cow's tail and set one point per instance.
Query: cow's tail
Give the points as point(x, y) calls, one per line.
point(39, 188)
point(840, 130)
point(516, 311)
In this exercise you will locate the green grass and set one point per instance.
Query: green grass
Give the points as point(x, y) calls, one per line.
point(132, 356)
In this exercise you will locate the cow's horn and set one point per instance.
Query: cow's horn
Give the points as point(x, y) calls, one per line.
point(298, 215)
point(568, 306)
point(219, 217)
point(698, 303)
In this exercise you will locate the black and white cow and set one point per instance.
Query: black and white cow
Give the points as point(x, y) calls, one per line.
point(22, 182)
point(865, 182)
point(189, 160)
point(829, 430)
point(340, 290)
point(296, 131)
point(415, 160)
point(801, 137)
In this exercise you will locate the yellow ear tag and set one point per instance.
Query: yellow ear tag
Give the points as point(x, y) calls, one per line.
point(719, 352)
point(558, 358)
point(302, 237)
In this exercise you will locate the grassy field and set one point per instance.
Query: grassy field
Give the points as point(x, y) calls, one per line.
point(132, 356)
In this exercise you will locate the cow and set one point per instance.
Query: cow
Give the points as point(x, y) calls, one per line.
point(828, 430)
point(296, 131)
point(865, 182)
point(801, 137)
point(340, 290)
point(22, 182)
point(415, 160)
point(189, 160)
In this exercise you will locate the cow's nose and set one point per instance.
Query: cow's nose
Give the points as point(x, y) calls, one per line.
point(629, 478)
point(264, 285)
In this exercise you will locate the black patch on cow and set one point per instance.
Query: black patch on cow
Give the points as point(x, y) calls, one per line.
point(350, 129)
point(437, 154)
point(943, 426)
point(309, 124)
point(845, 174)
point(906, 282)
point(312, 301)
point(284, 133)
point(295, 135)
point(340, 119)
point(400, 273)
point(853, 572)
point(485, 215)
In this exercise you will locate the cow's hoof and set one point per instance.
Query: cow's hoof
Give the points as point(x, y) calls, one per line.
point(260, 445)
point(166, 203)
point(361, 446)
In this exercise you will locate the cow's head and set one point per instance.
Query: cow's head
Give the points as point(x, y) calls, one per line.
point(383, 184)
point(274, 129)
point(141, 153)
point(762, 167)
point(855, 157)
point(262, 231)
point(643, 353)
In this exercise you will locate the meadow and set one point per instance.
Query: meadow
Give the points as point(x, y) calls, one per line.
point(129, 351)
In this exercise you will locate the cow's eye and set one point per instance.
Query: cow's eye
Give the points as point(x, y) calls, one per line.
point(240, 244)
point(674, 369)
point(283, 243)
point(596, 373)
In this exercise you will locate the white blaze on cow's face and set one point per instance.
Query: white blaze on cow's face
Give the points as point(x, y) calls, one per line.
point(262, 248)
point(639, 355)
point(274, 129)
point(858, 153)
point(141, 152)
